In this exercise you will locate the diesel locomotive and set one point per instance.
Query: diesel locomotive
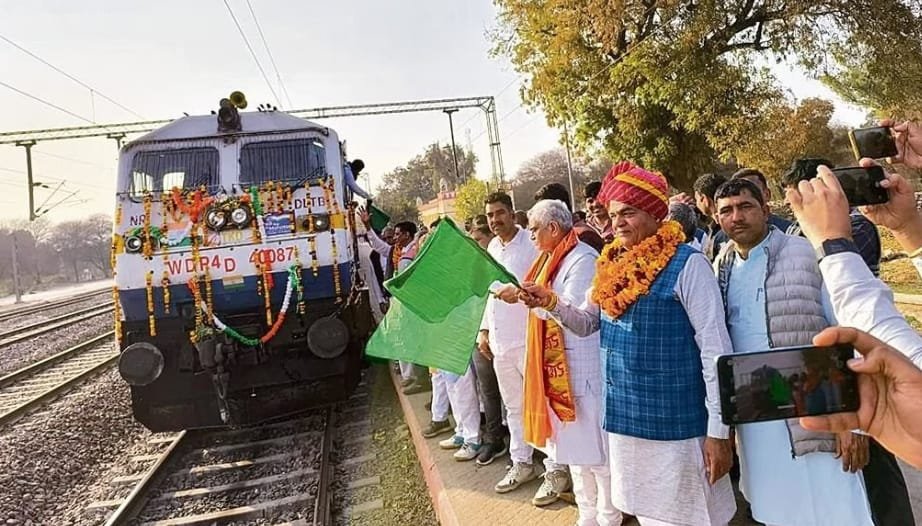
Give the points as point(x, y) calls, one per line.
point(234, 252)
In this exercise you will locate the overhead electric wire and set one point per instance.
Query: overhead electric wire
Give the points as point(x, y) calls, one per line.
point(252, 53)
point(71, 77)
point(46, 103)
point(275, 67)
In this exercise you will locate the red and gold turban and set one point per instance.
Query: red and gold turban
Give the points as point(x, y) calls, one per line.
point(636, 187)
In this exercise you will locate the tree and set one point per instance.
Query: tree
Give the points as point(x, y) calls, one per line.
point(796, 133)
point(470, 197)
point(68, 243)
point(678, 84)
point(546, 167)
point(421, 179)
point(98, 243)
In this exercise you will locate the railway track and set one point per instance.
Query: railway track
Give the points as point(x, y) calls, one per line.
point(32, 330)
point(30, 387)
point(281, 473)
point(35, 309)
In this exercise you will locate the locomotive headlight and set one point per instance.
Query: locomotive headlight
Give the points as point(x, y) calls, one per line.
point(328, 337)
point(241, 216)
point(140, 363)
point(321, 223)
point(133, 244)
point(215, 218)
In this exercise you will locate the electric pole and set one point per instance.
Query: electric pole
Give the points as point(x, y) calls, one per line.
point(16, 288)
point(454, 152)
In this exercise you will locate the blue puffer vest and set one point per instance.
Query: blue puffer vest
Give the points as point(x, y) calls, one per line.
point(654, 386)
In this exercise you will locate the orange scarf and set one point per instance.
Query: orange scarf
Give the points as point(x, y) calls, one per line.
point(547, 374)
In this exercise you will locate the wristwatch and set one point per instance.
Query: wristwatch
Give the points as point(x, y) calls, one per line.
point(835, 246)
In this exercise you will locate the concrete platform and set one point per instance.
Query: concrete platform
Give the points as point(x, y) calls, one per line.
point(462, 492)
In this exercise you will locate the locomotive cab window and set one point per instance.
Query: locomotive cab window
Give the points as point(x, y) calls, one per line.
point(161, 171)
point(293, 161)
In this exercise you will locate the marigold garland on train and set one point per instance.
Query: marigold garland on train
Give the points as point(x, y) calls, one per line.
point(228, 348)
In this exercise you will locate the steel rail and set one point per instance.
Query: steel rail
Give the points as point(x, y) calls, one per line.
point(36, 329)
point(36, 401)
point(134, 503)
point(322, 510)
point(43, 306)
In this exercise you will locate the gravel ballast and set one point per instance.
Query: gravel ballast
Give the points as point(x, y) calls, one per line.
point(53, 459)
point(27, 352)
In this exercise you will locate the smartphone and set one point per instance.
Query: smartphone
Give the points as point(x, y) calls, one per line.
point(875, 143)
point(786, 383)
point(862, 185)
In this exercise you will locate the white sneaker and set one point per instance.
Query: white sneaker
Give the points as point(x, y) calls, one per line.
point(454, 442)
point(555, 483)
point(467, 452)
point(518, 474)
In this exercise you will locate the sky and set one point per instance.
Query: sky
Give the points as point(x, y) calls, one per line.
point(160, 59)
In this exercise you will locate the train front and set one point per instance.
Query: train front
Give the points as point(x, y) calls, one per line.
point(233, 256)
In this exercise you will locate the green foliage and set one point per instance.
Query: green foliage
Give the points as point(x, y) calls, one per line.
point(795, 133)
point(421, 179)
point(470, 197)
point(677, 84)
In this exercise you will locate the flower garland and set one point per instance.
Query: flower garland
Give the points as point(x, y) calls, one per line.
point(299, 269)
point(117, 306)
point(148, 247)
point(330, 197)
point(625, 274)
point(194, 205)
point(265, 272)
point(117, 312)
point(270, 197)
point(311, 240)
point(209, 293)
point(151, 318)
point(294, 283)
point(165, 283)
point(257, 205)
point(164, 227)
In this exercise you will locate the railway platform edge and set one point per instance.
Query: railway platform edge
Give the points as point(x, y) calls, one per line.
point(462, 492)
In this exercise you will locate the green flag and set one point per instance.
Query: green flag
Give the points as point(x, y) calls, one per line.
point(378, 218)
point(438, 302)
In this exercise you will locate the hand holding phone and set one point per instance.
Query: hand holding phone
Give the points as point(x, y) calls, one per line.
point(862, 185)
point(877, 142)
point(786, 383)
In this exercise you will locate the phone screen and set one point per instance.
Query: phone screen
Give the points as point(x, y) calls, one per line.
point(786, 383)
point(862, 185)
point(874, 143)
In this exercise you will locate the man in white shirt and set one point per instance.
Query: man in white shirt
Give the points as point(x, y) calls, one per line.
point(503, 334)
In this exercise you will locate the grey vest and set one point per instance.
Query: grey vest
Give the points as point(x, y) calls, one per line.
point(793, 310)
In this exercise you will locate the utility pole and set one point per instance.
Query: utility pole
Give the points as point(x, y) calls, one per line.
point(28, 146)
point(16, 288)
point(454, 153)
point(566, 141)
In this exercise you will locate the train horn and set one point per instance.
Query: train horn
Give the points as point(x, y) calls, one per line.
point(238, 99)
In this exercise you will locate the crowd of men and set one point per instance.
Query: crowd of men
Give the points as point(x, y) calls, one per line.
point(602, 361)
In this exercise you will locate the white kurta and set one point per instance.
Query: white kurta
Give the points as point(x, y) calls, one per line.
point(810, 490)
point(375, 295)
point(583, 441)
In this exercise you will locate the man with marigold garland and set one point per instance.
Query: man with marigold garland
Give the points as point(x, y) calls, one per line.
point(657, 304)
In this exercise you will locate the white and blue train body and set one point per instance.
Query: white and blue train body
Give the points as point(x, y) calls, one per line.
point(224, 225)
